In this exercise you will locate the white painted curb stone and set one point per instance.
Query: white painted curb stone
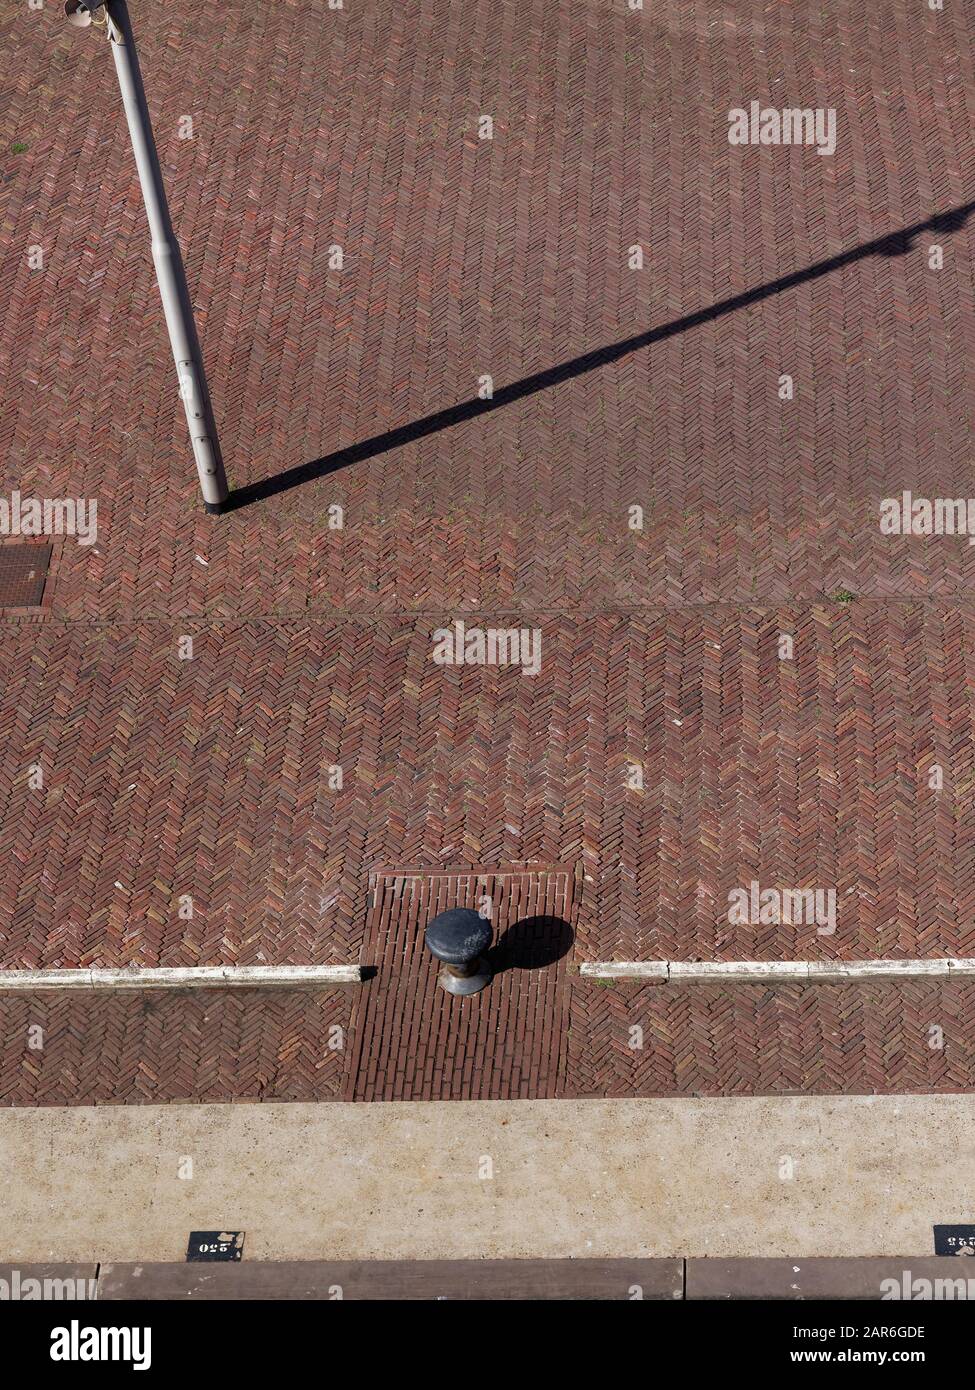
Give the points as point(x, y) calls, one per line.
point(773, 971)
point(185, 977)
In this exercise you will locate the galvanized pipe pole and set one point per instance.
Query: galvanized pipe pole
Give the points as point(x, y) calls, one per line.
point(166, 255)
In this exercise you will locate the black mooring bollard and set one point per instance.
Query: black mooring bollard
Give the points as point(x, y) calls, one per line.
point(459, 938)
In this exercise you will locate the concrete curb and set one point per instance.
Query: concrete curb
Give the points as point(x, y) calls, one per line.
point(185, 977)
point(772, 971)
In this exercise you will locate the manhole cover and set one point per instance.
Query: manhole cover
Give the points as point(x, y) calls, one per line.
point(23, 574)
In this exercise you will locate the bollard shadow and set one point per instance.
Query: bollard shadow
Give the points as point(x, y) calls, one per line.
point(531, 944)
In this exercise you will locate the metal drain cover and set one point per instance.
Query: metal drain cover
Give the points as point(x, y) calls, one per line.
point(23, 574)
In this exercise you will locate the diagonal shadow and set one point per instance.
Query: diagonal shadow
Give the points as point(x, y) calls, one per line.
point(894, 244)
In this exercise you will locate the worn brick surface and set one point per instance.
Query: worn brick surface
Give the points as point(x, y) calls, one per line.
point(210, 778)
point(358, 128)
point(613, 388)
point(147, 1047)
point(750, 1039)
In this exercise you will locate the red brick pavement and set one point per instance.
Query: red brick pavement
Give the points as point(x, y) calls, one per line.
point(144, 1048)
point(211, 777)
point(266, 1045)
point(749, 1039)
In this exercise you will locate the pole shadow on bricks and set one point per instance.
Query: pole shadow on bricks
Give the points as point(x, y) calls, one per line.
point(891, 244)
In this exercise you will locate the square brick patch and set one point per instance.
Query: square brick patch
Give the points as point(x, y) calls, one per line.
point(23, 574)
point(415, 1042)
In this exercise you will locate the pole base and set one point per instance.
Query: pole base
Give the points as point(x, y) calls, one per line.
point(217, 508)
point(478, 978)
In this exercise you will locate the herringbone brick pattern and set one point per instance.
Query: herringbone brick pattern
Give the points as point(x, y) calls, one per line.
point(210, 779)
point(144, 1048)
point(464, 257)
point(360, 260)
point(749, 1039)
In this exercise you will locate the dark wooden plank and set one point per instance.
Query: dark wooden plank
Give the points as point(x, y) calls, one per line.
point(398, 1279)
point(799, 1278)
point(21, 1283)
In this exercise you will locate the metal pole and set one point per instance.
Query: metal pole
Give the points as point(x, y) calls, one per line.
point(168, 261)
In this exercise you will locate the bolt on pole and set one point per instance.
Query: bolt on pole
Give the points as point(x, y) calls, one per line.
point(166, 254)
